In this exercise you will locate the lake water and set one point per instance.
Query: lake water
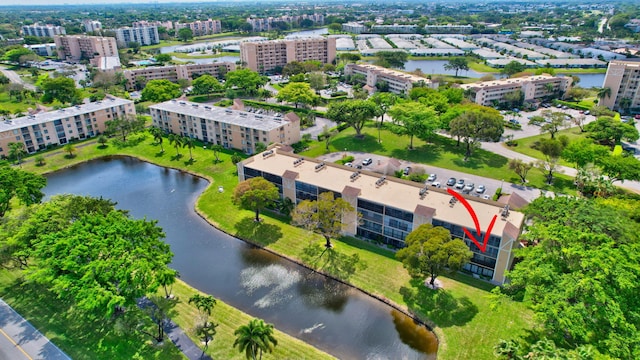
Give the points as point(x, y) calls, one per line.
point(329, 315)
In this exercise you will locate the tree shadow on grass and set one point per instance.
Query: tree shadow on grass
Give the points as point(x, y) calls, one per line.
point(440, 306)
point(159, 154)
point(176, 157)
point(427, 153)
point(258, 232)
point(189, 162)
point(367, 143)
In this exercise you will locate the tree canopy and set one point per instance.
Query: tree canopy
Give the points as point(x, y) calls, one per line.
point(205, 85)
point(414, 119)
point(609, 131)
point(125, 125)
point(297, 93)
point(580, 274)
point(160, 90)
point(61, 88)
point(513, 68)
point(355, 113)
point(457, 64)
point(245, 79)
point(16, 183)
point(393, 59)
point(325, 216)
point(431, 250)
point(477, 123)
point(255, 193)
point(185, 34)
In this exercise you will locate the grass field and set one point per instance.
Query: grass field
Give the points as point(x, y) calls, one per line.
point(524, 144)
point(466, 320)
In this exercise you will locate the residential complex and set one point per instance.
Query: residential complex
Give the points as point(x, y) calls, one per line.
point(354, 27)
point(399, 82)
point(623, 77)
point(200, 28)
point(92, 25)
point(391, 208)
point(489, 93)
point(266, 56)
point(79, 47)
point(230, 128)
point(448, 29)
point(43, 30)
point(175, 72)
point(57, 127)
point(143, 35)
point(266, 24)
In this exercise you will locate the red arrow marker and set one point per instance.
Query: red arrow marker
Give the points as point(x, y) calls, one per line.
point(483, 246)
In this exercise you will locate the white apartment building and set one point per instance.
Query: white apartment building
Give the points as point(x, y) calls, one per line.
point(43, 30)
point(92, 25)
point(399, 82)
point(230, 128)
point(143, 35)
point(58, 127)
point(488, 93)
point(354, 27)
point(201, 27)
point(175, 72)
point(623, 78)
point(265, 56)
point(448, 29)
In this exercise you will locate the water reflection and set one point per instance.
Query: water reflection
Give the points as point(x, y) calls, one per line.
point(412, 333)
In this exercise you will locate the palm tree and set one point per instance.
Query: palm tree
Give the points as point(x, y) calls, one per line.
point(625, 104)
point(17, 150)
point(549, 88)
point(176, 141)
point(604, 92)
point(157, 133)
point(255, 338)
point(216, 151)
point(204, 304)
point(190, 143)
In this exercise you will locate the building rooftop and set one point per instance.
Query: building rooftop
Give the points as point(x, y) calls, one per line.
point(389, 72)
point(48, 116)
point(509, 81)
point(393, 192)
point(226, 115)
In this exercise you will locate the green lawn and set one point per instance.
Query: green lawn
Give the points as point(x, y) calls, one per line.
point(524, 144)
point(466, 325)
point(441, 152)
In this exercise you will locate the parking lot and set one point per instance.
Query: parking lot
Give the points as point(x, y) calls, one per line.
point(442, 175)
point(527, 130)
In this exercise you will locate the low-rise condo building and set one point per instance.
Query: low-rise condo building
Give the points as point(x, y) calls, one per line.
point(175, 72)
point(489, 93)
point(398, 82)
point(391, 208)
point(230, 128)
point(58, 127)
point(201, 27)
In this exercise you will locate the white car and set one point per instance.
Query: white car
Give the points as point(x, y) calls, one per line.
point(436, 184)
point(367, 161)
point(432, 177)
point(481, 189)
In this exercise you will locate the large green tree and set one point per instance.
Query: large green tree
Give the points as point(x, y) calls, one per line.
point(185, 34)
point(255, 338)
point(620, 168)
point(255, 193)
point(513, 68)
point(579, 273)
point(244, 79)
point(16, 183)
point(125, 125)
point(16, 151)
point(383, 101)
point(414, 119)
point(552, 150)
point(457, 64)
point(325, 216)
point(355, 113)
point(393, 59)
point(477, 123)
point(61, 88)
point(297, 93)
point(584, 151)
point(205, 85)
point(609, 131)
point(430, 251)
point(160, 90)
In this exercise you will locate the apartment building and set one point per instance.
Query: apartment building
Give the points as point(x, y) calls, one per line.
point(394, 29)
point(448, 29)
point(399, 82)
point(57, 127)
point(39, 30)
point(489, 93)
point(623, 78)
point(175, 72)
point(354, 27)
point(42, 49)
point(144, 23)
point(265, 24)
point(230, 128)
point(200, 28)
point(78, 47)
point(391, 208)
point(143, 35)
point(92, 25)
point(266, 56)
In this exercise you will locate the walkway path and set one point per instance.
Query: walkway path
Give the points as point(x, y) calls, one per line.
point(15, 78)
point(19, 340)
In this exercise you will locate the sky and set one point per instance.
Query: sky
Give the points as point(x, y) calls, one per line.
point(95, 2)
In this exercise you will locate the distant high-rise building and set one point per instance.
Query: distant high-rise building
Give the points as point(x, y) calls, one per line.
point(200, 28)
point(143, 35)
point(92, 25)
point(79, 47)
point(622, 79)
point(266, 56)
point(265, 24)
point(43, 30)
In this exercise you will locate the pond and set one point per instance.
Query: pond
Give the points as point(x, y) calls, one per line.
point(327, 314)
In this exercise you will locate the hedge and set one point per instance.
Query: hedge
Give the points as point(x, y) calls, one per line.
point(572, 105)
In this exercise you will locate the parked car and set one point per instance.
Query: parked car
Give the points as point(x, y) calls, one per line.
point(468, 188)
point(587, 112)
point(514, 121)
point(436, 184)
point(481, 189)
point(367, 161)
point(348, 164)
point(451, 181)
point(460, 184)
point(432, 177)
point(407, 170)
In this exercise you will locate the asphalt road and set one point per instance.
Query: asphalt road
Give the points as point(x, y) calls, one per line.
point(15, 78)
point(19, 340)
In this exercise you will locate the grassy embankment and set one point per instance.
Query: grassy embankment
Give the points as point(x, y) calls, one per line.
point(524, 144)
point(467, 324)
